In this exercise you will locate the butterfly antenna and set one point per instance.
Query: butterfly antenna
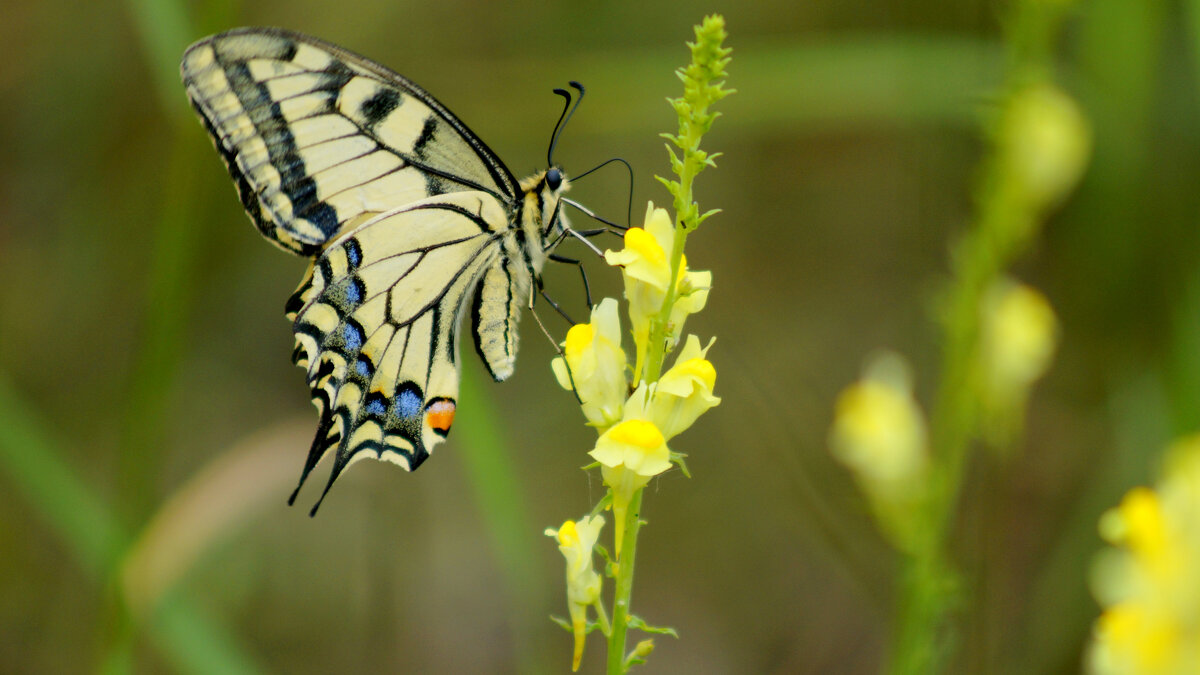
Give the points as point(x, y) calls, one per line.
point(568, 110)
point(629, 206)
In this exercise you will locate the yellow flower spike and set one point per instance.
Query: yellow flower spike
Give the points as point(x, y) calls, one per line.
point(576, 541)
point(630, 454)
point(684, 392)
point(594, 363)
point(1147, 584)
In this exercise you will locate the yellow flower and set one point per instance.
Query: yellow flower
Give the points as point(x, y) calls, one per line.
point(646, 268)
point(879, 434)
point(1148, 584)
point(684, 392)
point(1019, 336)
point(593, 364)
point(576, 542)
point(1044, 144)
point(630, 454)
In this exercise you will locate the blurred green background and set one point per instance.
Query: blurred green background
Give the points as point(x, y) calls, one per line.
point(151, 425)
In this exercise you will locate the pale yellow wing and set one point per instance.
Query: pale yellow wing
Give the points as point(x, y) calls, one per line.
point(377, 321)
point(319, 139)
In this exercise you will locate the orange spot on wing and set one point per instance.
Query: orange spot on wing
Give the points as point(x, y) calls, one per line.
point(440, 415)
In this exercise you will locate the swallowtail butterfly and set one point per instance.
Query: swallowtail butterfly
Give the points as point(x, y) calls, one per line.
point(410, 221)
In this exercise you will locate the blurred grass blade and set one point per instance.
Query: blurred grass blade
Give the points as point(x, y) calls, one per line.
point(818, 86)
point(513, 533)
point(165, 30)
point(41, 474)
point(226, 495)
point(39, 471)
point(167, 304)
point(193, 642)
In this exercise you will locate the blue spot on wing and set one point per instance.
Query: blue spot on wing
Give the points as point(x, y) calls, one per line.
point(353, 292)
point(352, 336)
point(363, 367)
point(408, 403)
point(375, 406)
point(353, 253)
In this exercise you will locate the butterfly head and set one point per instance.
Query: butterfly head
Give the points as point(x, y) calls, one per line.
point(543, 202)
point(554, 178)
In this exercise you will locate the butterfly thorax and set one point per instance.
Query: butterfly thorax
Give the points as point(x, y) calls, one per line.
point(542, 220)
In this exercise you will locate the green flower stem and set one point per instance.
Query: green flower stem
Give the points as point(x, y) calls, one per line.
point(926, 595)
point(623, 591)
point(702, 86)
point(659, 327)
point(916, 647)
point(602, 618)
point(1008, 219)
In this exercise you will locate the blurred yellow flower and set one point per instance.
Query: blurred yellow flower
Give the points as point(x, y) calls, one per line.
point(1149, 583)
point(879, 434)
point(1044, 143)
point(576, 542)
point(1017, 344)
point(1019, 335)
point(593, 364)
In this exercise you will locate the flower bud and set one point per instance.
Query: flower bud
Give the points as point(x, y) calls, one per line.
point(1017, 342)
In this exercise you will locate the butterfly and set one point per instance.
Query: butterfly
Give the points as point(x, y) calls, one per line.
point(410, 220)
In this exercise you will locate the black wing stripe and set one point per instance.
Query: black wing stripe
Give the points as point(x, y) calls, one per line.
point(283, 153)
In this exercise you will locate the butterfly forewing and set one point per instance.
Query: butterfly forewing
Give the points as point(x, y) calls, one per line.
point(407, 216)
point(316, 137)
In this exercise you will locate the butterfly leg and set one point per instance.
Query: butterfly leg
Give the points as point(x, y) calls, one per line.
point(599, 230)
point(593, 215)
point(542, 292)
point(587, 289)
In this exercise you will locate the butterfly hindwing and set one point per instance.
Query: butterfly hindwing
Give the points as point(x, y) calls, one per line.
point(318, 139)
point(376, 323)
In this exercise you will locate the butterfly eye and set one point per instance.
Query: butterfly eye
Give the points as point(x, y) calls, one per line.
point(553, 179)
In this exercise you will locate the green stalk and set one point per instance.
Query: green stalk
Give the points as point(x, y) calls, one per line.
point(1010, 212)
point(659, 327)
point(623, 590)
